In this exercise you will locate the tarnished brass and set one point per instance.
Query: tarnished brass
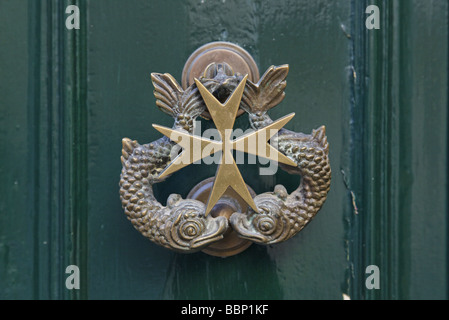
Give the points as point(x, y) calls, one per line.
point(282, 215)
point(181, 225)
point(230, 202)
point(268, 218)
point(219, 52)
point(228, 174)
point(219, 57)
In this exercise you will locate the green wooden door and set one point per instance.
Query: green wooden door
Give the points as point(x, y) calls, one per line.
point(68, 97)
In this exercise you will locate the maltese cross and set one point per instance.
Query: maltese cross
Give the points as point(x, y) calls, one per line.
point(196, 148)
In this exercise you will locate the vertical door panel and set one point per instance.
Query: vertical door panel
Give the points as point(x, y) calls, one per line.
point(126, 43)
point(68, 97)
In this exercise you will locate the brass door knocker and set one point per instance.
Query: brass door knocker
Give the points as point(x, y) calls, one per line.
point(223, 216)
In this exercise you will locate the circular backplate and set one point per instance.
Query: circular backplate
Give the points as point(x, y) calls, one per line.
point(229, 203)
point(238, 58)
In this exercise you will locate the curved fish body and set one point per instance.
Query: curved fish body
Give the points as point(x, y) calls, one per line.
point(181, 225)
point(282, 215)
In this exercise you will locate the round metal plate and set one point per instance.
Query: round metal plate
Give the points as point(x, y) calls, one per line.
point(229, 203)
point(236, 57)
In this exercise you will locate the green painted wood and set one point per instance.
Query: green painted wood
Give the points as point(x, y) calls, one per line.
point(399, 168)
point(16, 221)
point(43, 205)
point(126, 43)
point(67, 98)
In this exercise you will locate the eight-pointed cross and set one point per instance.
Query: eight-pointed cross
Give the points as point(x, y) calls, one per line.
point(196, 148)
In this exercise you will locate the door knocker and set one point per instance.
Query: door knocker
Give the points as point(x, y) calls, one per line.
point(222, 216)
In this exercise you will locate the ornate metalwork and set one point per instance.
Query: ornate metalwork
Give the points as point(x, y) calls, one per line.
point(184, 225)
point(282, 215)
